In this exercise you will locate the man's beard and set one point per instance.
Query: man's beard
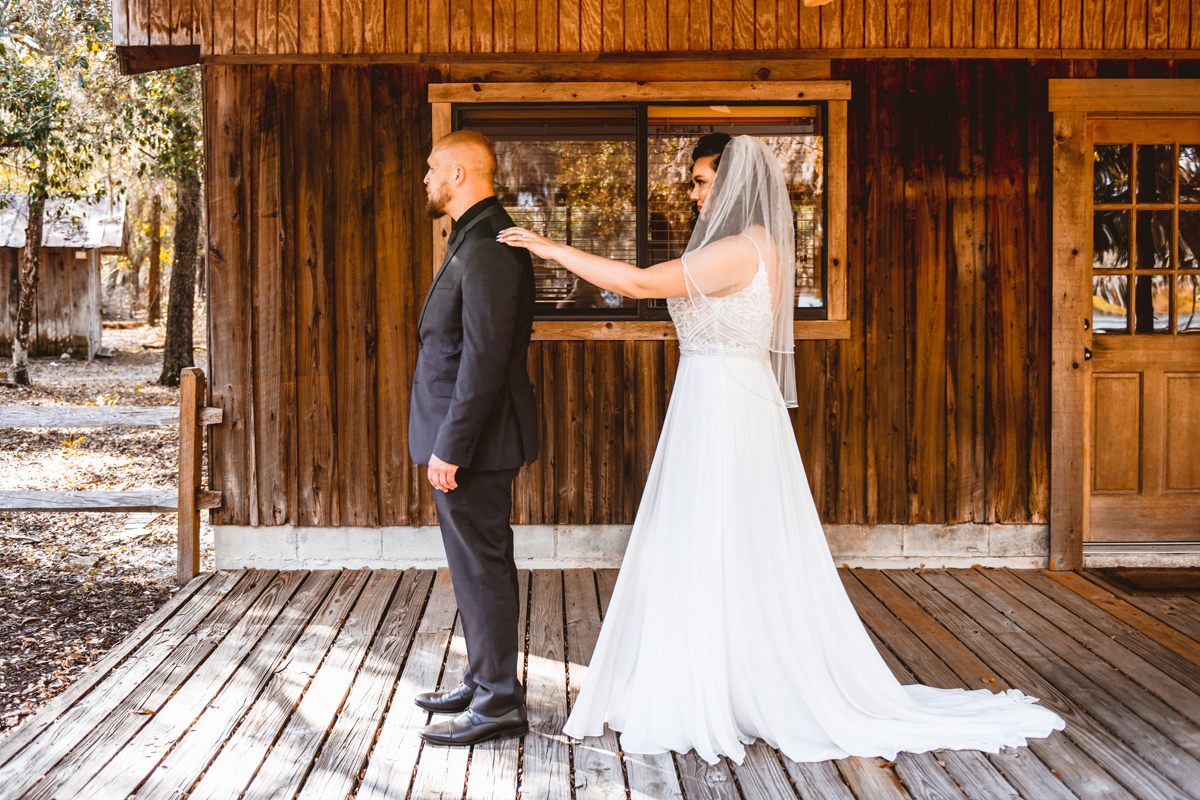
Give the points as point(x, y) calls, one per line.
point(435, 205)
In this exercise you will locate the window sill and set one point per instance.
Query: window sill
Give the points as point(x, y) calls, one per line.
point(640, 330)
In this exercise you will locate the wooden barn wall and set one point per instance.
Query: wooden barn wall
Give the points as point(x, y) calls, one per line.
point(66, 315)
point(936, 410)
point(245, 27)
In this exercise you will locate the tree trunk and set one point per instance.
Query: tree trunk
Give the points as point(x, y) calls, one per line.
point(29, 279)
point(177, 348)
point(154, 280)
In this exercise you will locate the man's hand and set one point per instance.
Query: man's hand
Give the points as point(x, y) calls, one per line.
point(441, 474)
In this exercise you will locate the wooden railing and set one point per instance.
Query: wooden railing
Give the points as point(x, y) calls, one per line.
point(188, 500)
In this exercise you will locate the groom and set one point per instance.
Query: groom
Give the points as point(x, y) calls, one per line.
point(473, 421)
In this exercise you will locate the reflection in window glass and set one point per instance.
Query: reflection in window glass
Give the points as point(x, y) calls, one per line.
point(1187, 304)
point(569, 174)
point(1189, 239)
point(1152, 304)
point(1110, 240)
point(1110, 301)
point(1155, 169)
point(1189, 173)
point(1154, 239)
point(794, 133)
point(1110, 175)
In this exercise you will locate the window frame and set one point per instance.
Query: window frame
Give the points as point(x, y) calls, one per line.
point(445, 97)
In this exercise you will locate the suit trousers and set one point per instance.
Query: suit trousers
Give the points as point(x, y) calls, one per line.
point(479, 546)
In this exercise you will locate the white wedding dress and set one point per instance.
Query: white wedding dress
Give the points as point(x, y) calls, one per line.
point(729, 622)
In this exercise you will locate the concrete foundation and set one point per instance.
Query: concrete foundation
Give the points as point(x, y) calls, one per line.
point(568, 546)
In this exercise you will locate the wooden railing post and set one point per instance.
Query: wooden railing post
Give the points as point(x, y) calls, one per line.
point(191, 450)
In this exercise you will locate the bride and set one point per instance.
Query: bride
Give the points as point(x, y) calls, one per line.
point(728, 622)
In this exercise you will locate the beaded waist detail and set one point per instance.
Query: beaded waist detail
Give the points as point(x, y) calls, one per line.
point(748, 352)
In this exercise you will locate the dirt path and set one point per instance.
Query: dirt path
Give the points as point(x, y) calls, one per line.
point(74, 585)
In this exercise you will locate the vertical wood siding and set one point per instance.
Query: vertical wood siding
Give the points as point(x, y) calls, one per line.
point(936, 410)
point(566, 26)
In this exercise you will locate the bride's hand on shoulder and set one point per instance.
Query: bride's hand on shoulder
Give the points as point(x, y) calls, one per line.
point(539, 245)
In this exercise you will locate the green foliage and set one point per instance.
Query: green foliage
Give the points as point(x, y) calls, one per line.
point(163, 118)
point(59, 88)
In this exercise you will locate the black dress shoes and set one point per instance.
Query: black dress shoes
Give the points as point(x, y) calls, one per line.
point(471, 727)
point(451, 702)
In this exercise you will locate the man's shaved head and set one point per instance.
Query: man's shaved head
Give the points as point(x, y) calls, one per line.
point(471, 150)
point(462, 167)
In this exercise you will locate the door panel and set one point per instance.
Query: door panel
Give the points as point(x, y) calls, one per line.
point(1117, 453)
point(1183, 433)
point(1145, 426)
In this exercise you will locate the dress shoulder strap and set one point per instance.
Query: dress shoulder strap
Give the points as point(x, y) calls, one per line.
point(756, 248)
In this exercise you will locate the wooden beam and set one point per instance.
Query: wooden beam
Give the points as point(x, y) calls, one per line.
point(1126, 96)
point(443, 123)
point(617, 91)
point(653, 330)
point(137, 60)
point(549, 66)
point(191, 452)
point(98, 416)
point(836, 133)
point(1070, 373)
point(151, 500)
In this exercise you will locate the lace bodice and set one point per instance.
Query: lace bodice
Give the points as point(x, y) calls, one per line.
point(738, 324)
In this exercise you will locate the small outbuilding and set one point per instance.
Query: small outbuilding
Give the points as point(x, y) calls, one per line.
point(76, 233)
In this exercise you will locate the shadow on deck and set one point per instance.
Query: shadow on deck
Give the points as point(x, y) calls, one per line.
point(263, 684)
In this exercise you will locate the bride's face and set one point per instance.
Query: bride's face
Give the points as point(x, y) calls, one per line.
point(703, 174)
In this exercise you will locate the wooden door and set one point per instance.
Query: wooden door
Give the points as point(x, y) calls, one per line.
point(1145, 367)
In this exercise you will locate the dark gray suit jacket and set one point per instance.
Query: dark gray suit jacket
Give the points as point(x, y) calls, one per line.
point(472, 402)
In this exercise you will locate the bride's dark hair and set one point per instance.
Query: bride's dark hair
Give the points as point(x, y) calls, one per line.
point(710, 144)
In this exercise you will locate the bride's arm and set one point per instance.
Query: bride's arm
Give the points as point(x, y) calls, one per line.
point(661, 280)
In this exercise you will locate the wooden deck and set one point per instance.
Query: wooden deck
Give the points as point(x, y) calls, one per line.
point(277, 685)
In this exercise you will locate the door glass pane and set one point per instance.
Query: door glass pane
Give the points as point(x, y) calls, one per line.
point(1187, 304)
point(1152, 304)
point(1110, 240)
point(570, 174)
point(1154, 239)
point(1111, 174)
point(1189, 173)
point(1154, 168)
point(1189, 239)
point(1110, 297)
point(793, 132)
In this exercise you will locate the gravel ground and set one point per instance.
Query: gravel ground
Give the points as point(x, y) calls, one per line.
point(73, 585)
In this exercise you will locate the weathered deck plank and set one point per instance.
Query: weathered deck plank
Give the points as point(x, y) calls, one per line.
point(1168, 661)
point(649, 775)
point(280, 773)
point(1150, 726)
point(1036, 672)
point(209, 734)
point(1157, 630)
point(242, 754)
point(248, 654)
point(1133, 666)
point(96, 730)
point(1181, 613)
point(442, 771)
point(189, 611)
point(254, 677)
point(545, 765)
point(395, 754)
point(345, 749)
point(598, 771)
point(493, 772)
point(1077, 770)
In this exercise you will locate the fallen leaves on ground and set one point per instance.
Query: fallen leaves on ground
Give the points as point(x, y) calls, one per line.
point(73, 585)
